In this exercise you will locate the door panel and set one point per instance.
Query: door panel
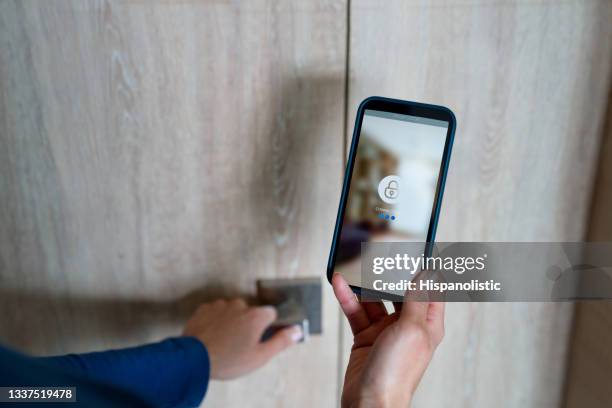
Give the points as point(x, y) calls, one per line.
point(157, 154)
point(528, 82)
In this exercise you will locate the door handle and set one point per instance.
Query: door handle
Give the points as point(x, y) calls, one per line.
point(297, 302)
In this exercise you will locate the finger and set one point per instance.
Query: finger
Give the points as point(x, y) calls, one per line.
point(352, 309)
point(263, 316)
point(435, 309)
point(398, 305)
point(280, 341)
point(435, 312)
point(435, 320)
point(380, 325)
point(415, 306)
point(239, 303)
point(375, 310)
point(218, 303)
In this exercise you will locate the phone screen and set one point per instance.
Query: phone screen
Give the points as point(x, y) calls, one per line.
point(393, 186)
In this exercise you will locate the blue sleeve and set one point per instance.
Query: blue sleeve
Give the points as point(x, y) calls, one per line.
point(171, 373)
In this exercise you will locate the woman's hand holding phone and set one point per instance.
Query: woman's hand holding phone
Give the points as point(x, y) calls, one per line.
point(390, 352)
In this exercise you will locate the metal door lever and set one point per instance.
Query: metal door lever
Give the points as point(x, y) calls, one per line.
point(297, 302)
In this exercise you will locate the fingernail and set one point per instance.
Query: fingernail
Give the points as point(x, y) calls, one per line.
point(296, 333)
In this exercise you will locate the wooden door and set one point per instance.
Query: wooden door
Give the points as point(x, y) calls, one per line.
point(528, 82)
point(155, 154)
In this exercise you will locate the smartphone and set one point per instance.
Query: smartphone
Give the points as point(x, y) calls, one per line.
point(394, 181)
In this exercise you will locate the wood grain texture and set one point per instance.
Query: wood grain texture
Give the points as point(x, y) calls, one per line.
point(156, 154)
point(590, 358)
point(528, 82)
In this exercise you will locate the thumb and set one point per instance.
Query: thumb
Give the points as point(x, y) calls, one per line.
point(280, 341)
point(416, 302)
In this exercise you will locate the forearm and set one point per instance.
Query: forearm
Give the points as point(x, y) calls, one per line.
point(381, 402)
point(173, 372)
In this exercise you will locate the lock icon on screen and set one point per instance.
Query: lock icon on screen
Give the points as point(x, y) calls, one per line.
point(392, 190)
